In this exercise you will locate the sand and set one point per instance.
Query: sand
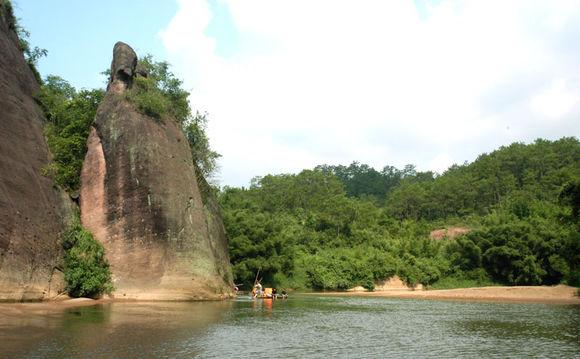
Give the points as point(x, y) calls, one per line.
point(560, 294)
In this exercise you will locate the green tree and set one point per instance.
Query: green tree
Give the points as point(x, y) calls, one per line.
point(70, 114)
point(86, 270)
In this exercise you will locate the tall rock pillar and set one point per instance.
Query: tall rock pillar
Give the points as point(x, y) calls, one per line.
point(141, 200)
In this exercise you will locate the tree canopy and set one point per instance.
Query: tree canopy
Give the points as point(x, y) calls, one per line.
point(337, 227)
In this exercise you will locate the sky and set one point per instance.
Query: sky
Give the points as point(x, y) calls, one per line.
point(289, 85)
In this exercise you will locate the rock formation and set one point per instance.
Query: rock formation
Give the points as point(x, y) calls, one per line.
point(31, 208)
point(141, 200)
point(448, 233)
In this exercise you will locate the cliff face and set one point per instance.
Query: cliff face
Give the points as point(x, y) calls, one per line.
point(31, 208)
point(141, 200)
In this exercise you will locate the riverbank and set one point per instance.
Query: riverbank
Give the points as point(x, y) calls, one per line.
point(15, 308)
point(560, 294)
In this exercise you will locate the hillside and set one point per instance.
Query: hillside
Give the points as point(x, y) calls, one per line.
point(336, 227)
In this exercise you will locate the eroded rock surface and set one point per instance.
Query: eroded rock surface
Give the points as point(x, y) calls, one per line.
point(32, 210)
point(140, 198)
point(122, 67)
point(448, 233)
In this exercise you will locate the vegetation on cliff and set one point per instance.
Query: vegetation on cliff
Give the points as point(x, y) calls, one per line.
point(86, 270)
point(336, 227)
point(70, 114)
point(157, 93)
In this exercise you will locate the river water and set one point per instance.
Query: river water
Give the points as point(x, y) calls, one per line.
point(300, 327)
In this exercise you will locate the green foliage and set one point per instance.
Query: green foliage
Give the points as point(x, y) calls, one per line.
point(570, 196)
point(476, 278)
point(328, 228)
point(148, 98)
point(86, 270)
point(70, 114)
point(303, 231)
point(159, 94)
point(204, 158)
point(361, 180)
point(522, 172)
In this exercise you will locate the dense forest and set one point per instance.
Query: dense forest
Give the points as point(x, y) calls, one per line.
point(336, 227)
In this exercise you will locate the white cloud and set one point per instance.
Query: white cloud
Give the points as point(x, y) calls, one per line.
point(555, 101)
point(335, 81)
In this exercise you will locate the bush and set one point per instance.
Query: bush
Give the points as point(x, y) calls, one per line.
point(477, 278)
point(148, 99)
point(86, 270)
point(204, 158)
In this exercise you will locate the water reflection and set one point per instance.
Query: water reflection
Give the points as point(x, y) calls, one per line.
point(298, 327)
point(108, 330)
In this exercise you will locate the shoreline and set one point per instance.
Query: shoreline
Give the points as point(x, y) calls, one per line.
point(61, 304)
point(560, 294)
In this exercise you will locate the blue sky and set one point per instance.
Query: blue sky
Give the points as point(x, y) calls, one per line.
point(79, 35)
point(292, 84)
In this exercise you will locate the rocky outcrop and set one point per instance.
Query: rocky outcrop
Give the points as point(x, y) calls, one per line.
point(448, 233)
point(122, 68)
point(393, 283)
point(141, 200)
point(31, 208)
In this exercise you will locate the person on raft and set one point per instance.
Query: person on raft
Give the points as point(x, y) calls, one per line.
point(257, 289)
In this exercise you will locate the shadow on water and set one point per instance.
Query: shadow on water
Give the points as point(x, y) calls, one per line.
point(108, 330)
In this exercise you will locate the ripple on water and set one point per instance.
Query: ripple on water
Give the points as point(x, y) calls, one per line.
point(303, 326)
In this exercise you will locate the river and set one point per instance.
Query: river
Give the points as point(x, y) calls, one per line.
point(300, 327)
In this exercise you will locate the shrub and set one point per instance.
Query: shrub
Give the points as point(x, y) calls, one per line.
point(476, 278)
point(86, 270)
point(204, 158)
point(148, 99)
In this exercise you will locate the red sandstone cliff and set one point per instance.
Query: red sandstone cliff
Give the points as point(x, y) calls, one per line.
point(31, 208)
point(141, 200)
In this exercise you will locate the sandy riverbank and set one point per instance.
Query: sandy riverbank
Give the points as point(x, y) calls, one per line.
point(48, 306)
point(560, 294)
